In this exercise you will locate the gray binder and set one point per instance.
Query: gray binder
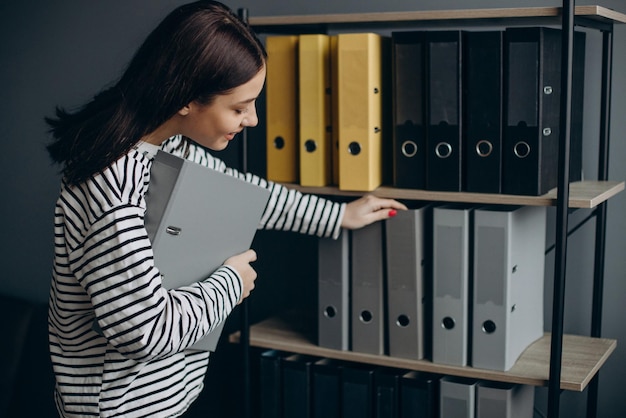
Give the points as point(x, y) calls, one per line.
point(196, 218)
point(451, 286)
point(405, 252)
point(334, 292)
point(504, 400)
point(457, 397)
point(509, 246)
point(367, 287)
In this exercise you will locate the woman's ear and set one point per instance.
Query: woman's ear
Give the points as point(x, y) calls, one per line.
point(184, 111)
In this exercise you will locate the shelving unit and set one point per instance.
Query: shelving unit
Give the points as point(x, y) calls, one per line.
point(558, 361)
point(582, 356)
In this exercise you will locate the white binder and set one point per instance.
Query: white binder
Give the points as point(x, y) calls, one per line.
point(367, 288)
point(405, 249)
point(333, 323)
point(196, 218)
point(509, 246)
point(457, 397)
point(504, 400)
point(451, 285)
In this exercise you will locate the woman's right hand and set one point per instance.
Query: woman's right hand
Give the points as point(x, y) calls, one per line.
point(241, 264)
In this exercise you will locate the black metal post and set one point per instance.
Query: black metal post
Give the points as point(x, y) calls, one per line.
point(244, 339)
point(603, 174)
point(558, 305)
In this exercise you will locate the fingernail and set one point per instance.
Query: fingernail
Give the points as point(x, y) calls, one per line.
point(392, 213)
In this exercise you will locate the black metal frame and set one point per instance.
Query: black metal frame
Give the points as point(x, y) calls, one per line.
point(562, 207)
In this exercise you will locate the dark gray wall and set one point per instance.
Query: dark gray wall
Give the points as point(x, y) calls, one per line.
point(63, 52)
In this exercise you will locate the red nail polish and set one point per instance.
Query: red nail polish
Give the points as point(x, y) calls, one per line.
point(392, 213)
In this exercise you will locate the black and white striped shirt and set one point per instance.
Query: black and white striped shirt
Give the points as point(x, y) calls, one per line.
point(104, 270)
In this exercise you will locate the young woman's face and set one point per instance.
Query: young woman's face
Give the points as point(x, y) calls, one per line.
point(216, 124)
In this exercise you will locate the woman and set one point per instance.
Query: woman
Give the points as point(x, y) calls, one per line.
point(192, 85)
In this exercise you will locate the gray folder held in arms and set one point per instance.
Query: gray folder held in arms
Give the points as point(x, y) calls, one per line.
point(196, 218)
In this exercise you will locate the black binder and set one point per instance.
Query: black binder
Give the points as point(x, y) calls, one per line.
point(387, 392)
point(327, 388)
point(409, 134)
point(482, 92)
point(444, 110)
point(578, 98)
point(270, 386)
point(532, 110)
point(357, 391)
point(296, 385)
point(419, 395)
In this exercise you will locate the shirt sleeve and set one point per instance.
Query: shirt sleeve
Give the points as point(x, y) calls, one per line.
point(137, 315)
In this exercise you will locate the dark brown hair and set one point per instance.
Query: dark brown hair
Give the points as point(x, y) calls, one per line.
point(200, 50)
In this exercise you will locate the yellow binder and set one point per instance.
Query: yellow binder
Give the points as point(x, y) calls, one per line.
point(314, 105)
point(282, 108)
point(360, 81)
point(334, 106)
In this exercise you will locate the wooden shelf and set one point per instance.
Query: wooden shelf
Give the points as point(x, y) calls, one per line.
point(581, 359)
point(597, 13)
point(586, 194)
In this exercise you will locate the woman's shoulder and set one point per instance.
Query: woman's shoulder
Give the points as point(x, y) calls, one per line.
point(123, 183)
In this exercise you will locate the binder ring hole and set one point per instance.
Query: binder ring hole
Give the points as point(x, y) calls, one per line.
point(330, 312)
point(366, 317)
point(484, 148)
point(409, 149)
point(354, 148)
point(279, 142)
point(443, 150)
point(403, 321)
point(521, 149)
point(310, 145)
point(447, 323)
point(489, 327)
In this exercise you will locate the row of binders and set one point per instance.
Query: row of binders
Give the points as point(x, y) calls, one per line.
point(456, 284)
point(302, 386)
point(443, 110)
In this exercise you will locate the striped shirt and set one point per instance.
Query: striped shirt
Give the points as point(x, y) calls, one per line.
point(104, 270)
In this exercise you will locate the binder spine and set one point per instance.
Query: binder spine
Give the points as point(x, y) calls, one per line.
point(360, 118)
point(408, 92)
point(334, 292)
point(314, 110)
point(282, 108)
point(483, 95)
point(367, 310)
point(444, 111)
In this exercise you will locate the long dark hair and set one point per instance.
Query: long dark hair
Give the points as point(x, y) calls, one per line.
point(200, 50)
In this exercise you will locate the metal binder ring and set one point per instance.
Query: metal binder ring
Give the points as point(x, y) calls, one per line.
point(521, 149)
point(443, 150)
point(484, 148)
point(409, 148)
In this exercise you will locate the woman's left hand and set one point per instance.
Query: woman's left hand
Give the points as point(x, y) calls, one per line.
point(369, 209)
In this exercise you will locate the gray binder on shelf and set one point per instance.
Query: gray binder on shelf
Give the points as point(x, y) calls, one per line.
point(504, 400)
point(509, 246)
point(457, 397)
point(333, 321)
point(367, 289)
point(405, 250)
point(451, 284)
point(196, 218)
